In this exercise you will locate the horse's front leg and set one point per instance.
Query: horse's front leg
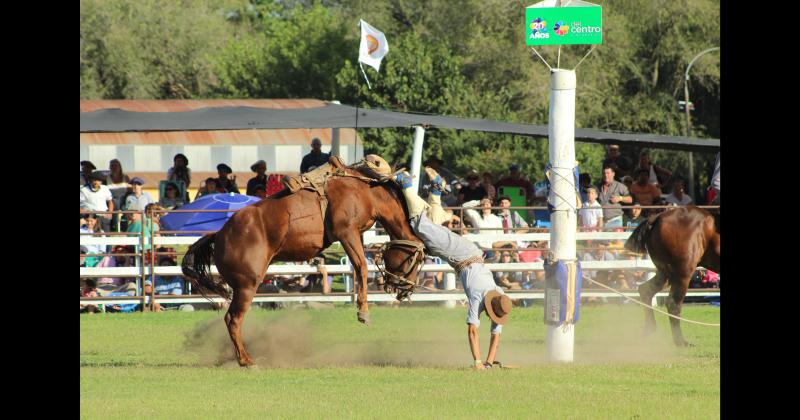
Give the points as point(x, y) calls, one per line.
point(351, 241)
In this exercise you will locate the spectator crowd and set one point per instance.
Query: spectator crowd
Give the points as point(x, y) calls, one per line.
point(482, 206)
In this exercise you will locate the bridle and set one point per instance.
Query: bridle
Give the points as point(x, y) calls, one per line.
point(400, 284)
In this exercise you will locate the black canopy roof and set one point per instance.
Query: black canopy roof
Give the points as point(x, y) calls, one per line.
point(344, 116)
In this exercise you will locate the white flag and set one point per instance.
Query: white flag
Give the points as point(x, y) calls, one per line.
point(373, 46)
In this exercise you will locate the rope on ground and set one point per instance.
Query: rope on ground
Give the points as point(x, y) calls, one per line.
point(648, 306)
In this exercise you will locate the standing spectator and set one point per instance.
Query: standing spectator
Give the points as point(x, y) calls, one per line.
point(315, 158)
point(677, 196)
point(117, 182)
point(486, 222)
point(86, 171)
point(628, 181)
point(623, 164)
point(515, 179)
point(139, 199)
point(260, 168)
point(636, 218)
point(643, 191)
point(226, 182)
point(170, 200)
point(488, 185)
point(656, 174)
point(591, 215)
point(511, 221)
point(97, 197)
point(180, 172)
point(474, 190)
point(611, 193)
point(207, 187)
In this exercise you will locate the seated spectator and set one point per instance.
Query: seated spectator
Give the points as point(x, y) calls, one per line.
point(89, 290)
point(168, 284)
point(171, 200)
point(86, 171)
point(644, 192)
point(590, 216)
point(486, 222)
point(207, 187)
point(117, 182)
point(509, 280)
point(657, 175)
point(180, 172)
point(114, 261)
point(474, 190)
point(678, 197)
point(91, 224)
point(515, 179)
point(260, 191)
point(97, 197)
point(488, 185)
point(636, 217)
point(260, 168)
point(139, 199)
point(226, 182)
point(623, 164)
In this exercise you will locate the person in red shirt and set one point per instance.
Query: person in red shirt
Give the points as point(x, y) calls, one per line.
point(646, 194)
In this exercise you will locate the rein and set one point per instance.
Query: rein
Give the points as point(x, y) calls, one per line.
point(399, 284)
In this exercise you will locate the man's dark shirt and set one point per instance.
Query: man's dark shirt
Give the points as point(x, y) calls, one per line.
point(251, 184)
point(470, 194)
point(316, 161)
point(624, 166)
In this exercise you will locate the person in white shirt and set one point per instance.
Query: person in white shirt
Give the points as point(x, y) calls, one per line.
point(591, 215)
point(485, 222)
point(97, 197)
point(677, 197)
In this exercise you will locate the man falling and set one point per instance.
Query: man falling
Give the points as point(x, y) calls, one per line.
point(467, 260)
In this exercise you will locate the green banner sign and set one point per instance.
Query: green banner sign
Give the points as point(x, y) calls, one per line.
point(563, 25)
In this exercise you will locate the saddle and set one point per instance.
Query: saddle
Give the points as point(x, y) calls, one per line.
point(316, 180)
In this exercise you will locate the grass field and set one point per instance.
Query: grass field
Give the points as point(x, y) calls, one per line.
point(411, 363)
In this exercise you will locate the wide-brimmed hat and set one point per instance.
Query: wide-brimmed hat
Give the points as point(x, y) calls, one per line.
point(260, 162)
point(86, 162)
point(222, 166)
point(98, 175)
point(498, 306)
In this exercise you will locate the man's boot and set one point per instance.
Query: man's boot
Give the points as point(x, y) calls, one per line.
point(436, 213)
point(416, 205)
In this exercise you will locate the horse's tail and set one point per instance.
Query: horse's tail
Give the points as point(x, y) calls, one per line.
point(197, 267)
point(636, 243)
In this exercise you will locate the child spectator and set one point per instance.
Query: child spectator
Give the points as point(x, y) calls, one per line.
point(585, 181)
point(636, 218)
point(91, 224)
point(677, 196)
point(139, 199)
point(509, 280)
point(591, 214)
point(89, 290)
point(260, 168)
point(207, 187)
point(643, 191)
point(226, 182)
point(97, 197)
point(170, 200)
point(180, 172)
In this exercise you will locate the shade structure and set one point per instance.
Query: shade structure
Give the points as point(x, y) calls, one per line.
point(207, 221)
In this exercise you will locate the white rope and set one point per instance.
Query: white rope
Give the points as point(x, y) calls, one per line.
point(543, 60)
point(648, 306)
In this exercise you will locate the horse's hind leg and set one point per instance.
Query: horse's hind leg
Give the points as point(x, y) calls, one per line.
point(647, 290)
point(674, 303)
point(240, 304)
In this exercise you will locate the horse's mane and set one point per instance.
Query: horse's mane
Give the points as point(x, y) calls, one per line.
point(385, 181)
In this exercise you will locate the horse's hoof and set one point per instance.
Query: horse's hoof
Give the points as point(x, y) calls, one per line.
point(363, 317)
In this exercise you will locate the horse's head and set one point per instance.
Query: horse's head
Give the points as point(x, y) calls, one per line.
point(401, 263)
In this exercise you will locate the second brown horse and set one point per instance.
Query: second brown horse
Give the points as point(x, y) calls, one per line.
point(289, 227)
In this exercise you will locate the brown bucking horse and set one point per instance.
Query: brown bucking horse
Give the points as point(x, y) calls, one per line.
point(678, 241)
point(290, 227)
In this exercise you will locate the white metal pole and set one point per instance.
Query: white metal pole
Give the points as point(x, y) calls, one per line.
point(449, 284)
point(416, 157)
point(561, 131)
